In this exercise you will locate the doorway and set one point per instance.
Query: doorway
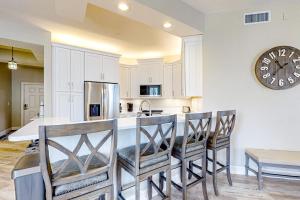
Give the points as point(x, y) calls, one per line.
point(31, 98)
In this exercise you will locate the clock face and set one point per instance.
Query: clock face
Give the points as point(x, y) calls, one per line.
point(279, 68)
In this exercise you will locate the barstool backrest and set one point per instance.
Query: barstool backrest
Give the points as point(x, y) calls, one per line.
point(197, 130)
point(160, 142)
point(91, 137)
point(225, 123)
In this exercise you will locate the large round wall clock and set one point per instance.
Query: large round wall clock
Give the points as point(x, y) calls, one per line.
point(279, 68)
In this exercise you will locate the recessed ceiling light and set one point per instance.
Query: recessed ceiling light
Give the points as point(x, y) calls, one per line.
point(167, 25)
point(123, 6)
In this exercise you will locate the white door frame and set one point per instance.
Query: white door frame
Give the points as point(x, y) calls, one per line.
point(22, 97)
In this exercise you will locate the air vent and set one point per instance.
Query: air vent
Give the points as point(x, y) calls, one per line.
point(257, 17)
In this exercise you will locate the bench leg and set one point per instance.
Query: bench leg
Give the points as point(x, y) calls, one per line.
point(259, 176)
point(247, 165)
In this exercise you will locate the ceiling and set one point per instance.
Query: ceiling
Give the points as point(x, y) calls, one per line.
point(24, 53)
point(215, 6)
point(93, 24)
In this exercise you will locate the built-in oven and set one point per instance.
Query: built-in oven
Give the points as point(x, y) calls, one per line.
point(150, 90)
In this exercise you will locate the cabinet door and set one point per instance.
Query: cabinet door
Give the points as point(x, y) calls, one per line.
point(61, 69)
point(168, 81)
point(144, 74)
point(77, 71)
point(124, 82)
point(111, 69)
point(134, 83)
point(93, 67)
point(62, 105)
point(192, 53)
point(156, 74)
point(177, 80)
point(77, 107)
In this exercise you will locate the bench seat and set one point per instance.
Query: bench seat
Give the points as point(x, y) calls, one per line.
point(277, 157)
point(272, 158)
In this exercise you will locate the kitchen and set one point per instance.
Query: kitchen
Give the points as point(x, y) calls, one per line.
point(125, 73)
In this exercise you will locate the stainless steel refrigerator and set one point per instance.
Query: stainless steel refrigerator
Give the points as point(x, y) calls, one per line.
point(101, 100)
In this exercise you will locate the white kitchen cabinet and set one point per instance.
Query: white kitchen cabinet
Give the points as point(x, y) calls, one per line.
point(172, 87)
point(150, 71)
point(129, 84)
point(69, 106)
point(192, 65)
point(110, 70)
point(61, 68)
point(77, 107)
point(134, 83)
point(77, 71)
point(124, 82)
point(101, 68)
point(177, 80)
point(93, 67)
point(168, 81)
point(62, 105)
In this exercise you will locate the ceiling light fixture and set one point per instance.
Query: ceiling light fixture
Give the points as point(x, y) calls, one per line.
point(167, 25)
point(123, 6)
point(12, 64)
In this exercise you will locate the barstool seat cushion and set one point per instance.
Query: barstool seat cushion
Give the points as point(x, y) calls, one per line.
point(222, 141)
point(72, 169)
point(178, 146)
point(128, 154)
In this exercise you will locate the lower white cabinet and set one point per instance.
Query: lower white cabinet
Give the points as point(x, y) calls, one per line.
point(77, 107)
point(69, 106)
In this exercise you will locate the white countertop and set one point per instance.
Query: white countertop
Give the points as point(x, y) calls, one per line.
point(31, 130)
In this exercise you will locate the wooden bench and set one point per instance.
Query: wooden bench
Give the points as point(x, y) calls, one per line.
point(272, 158)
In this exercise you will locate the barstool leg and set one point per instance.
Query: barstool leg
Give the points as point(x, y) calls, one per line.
point(228, 165)
point(137, 188)
point(184, 180)
point(168, 184)
point(191, 168)
point(161, 181)
point(214, 172)
point(111, 194)
point(204, 189)
point(149, 187)
point(119, 179)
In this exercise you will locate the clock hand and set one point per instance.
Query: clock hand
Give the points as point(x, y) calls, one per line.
point(276, 61)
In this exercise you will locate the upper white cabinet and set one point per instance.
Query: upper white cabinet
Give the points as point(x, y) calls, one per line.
point(124, 82)
point(110, 70)
point(172, 87)
point(61, 69)
point(168, 81)
point(68, 70)
point(93, 67)
point(77, 71)
point(101, 68)
point(150, 71)
point(129, 85)
point(192, 65)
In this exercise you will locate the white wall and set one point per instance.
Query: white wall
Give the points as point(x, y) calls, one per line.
point(265, 118)
point(16, 29)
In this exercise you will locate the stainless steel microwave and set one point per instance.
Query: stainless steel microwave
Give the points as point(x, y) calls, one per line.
point(150, 90)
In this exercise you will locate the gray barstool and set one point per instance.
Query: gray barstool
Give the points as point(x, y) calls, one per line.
point(143, 160)
point(189, 148)
point(219, 140)
point(87, 176)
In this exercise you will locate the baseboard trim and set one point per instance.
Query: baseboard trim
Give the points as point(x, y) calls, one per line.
point(4, 132)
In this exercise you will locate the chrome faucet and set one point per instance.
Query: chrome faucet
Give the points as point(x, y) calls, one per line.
point(141, 107)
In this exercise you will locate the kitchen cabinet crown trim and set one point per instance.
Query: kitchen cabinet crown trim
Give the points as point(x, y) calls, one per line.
point(86, 50)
